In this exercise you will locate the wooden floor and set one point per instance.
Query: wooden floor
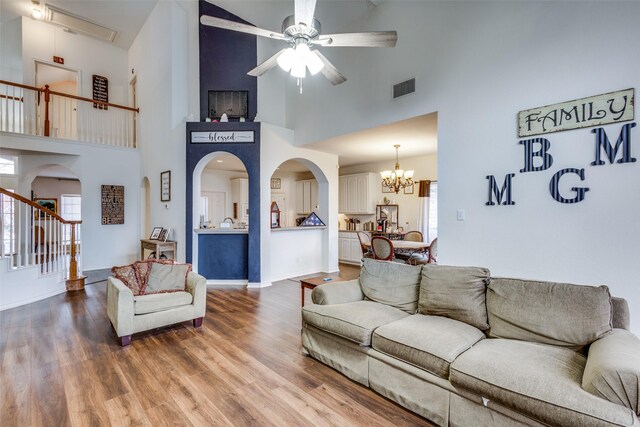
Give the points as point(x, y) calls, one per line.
point(61, 365)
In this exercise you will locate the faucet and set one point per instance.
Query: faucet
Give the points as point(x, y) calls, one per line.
point(228, 218)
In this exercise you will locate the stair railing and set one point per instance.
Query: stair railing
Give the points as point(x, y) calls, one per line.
point(43, 112)
point(33, 235)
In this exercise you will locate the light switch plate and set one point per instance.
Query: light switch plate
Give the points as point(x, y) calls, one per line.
point(460, 214)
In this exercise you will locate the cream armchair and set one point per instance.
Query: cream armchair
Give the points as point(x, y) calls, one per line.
point(130, 314)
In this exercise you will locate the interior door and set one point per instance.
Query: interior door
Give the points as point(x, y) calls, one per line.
point(62, 110)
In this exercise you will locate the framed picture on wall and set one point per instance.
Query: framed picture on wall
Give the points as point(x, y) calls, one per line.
point(165, 186)
point(409, 189)
point(276, 183)
point(47, 203)
point(386, 189)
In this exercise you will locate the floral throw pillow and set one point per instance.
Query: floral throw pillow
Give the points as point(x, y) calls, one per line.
point(143, 269)
point(128, 275)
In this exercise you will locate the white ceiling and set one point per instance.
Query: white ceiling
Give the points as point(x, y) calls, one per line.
point(229, 162)
point(417, 136)
point(124, 16)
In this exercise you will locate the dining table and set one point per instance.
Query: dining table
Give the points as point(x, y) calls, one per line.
point(406, 246)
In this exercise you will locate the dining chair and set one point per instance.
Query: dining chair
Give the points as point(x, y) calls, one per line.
point(365, 244)
point(431, 256)
point(382, 248)
point(413, 236)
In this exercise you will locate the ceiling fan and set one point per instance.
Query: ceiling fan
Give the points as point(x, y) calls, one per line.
point(302, 32)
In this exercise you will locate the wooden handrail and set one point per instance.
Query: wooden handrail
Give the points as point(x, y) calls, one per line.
point(37, 206)
point(80, 98)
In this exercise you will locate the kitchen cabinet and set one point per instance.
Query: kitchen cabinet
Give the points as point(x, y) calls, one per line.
point(349, 250)
point(306, 196)
point(357, 193)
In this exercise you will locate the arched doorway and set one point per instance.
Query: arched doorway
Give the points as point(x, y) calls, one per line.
point(220, 216)
point(145, 208)
point(300, 189)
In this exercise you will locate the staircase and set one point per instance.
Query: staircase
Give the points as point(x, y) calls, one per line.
point(39, 252)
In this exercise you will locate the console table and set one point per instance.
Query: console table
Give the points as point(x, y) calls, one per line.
point(158, 247)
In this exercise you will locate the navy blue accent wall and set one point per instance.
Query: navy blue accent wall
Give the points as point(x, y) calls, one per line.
point(225, 58)
point(249, 153)
point(232, 262)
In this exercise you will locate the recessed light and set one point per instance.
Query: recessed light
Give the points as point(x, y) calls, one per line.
point(219, 161)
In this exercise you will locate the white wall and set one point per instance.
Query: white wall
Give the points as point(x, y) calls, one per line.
point(41, 41)
point(11, 50)
point(425, 167)
point(276, 147)
point(164, 57)
point(477, 64)
point(103, 246)
point(220, 180)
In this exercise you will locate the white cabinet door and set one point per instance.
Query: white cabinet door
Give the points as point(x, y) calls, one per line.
point(342, 193)
point(362, 196)
point(343, 248)
point(299, 197)
point(314, 195)
point(355, 252)
point(306, 194)
point(352, 194)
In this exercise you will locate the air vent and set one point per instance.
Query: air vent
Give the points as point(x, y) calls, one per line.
point(76, 24)
point(404, 88)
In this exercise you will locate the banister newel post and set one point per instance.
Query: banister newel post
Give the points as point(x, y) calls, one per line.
point(47, 96)
point(74, 282)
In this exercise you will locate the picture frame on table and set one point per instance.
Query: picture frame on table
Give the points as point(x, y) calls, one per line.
point(50, 203)
point(155, 233)
point(165, 186)
point(409, 189)
point(164, 234)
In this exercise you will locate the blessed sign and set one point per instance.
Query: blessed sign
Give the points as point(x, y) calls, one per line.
point(613, 107)
point(233, 137)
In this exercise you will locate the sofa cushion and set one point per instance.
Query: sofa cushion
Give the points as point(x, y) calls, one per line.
point(549, 313)
point(455, 292)
point(143, 304)
point(538, 380)
point(354, 321)
point(127, 274)
point(391, 283)
point(167, 278)
point(428, 342)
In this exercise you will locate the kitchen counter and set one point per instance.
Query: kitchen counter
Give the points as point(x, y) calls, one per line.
point(221, 230)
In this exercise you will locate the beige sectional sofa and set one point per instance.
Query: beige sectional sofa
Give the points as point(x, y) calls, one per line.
point(462, 348)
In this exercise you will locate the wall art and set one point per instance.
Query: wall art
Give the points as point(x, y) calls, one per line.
point(112, 204)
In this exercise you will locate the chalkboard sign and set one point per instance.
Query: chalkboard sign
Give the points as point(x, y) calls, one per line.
point(100, 91)
point(112, 204)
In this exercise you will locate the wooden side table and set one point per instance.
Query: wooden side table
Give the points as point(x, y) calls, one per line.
point(312, 282)
point(158, 247)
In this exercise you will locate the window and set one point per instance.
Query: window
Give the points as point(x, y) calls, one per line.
point(8, 165)
point(8, 206)
point(433, 210)
point(70, 209)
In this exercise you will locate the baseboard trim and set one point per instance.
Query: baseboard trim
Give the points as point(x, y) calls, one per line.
point(25, 301)
point(232, 282)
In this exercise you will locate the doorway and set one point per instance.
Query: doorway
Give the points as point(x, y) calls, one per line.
point(62, 110)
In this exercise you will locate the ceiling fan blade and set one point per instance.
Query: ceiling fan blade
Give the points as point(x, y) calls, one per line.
point(266, 65)
point(330, 71)
point(304, 10)
point(237, 26)
point(372, 39)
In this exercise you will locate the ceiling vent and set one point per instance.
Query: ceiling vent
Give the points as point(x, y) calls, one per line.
point(404, 88)
point(76, 24)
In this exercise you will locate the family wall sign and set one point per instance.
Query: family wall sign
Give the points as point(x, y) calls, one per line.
point(608, 108)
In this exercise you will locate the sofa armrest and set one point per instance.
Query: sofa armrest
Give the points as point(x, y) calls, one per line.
point(613, 369)
point(120, 306)
point(337, 293)
point(197, 286)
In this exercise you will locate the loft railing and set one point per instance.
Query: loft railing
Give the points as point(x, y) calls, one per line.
point(35, 236)
point(40, 111)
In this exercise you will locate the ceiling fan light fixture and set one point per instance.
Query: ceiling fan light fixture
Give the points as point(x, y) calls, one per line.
point(299, 69)
point(314, 64)
point(287, 59)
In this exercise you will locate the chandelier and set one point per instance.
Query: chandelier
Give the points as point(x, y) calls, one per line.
point(399, 178)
